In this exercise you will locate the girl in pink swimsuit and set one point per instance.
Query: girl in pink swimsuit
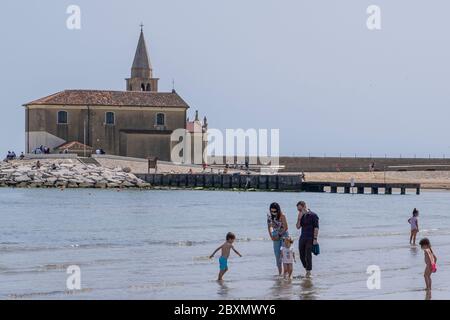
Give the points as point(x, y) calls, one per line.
point(430, 261)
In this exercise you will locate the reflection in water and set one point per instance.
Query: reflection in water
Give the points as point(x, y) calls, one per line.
point(413, 250)
point(223, 289)
point(286, 289)
point(281, 289)
point(307, 291)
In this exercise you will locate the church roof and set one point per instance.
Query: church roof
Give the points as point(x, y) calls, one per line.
point(141, 63)
point(112, 98)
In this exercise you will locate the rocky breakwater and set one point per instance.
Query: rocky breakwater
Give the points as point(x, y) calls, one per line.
point(66, 175)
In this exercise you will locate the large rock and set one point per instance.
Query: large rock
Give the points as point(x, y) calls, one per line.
point(22, 178)
point(66, 173)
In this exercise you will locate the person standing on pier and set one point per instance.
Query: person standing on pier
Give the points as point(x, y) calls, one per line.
point(278, 230)
point(308, 222)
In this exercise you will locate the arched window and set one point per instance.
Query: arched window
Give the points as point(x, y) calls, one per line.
point(110, 118)
point(160, 119)
point(62, 117)
point(142, 87)
point(148, 88)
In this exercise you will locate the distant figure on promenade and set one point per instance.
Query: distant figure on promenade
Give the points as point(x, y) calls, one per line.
point(278, 230)
point(22, 156)
point(37, 165)
point(223, 260)
point(308, 222)
point(430, 261)
point(302, 177)
point(372, 167)
point(288, 258)
point(11, 155)
point(414, 222)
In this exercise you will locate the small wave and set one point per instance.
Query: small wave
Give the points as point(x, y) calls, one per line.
point(190, 243)
point(375, 234)
point(364, 235)
point(55, 266)
point(153, 286)
point(46, 294)
point(201, 258)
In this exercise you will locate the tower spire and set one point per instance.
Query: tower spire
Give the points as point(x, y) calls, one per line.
point(141, 71)
point(142, 67)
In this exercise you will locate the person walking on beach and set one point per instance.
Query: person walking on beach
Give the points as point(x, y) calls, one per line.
point(414, 222)
point(288, 258)
point(278, 230)
point(430, 261)
point(223, 260)
point(308, 222)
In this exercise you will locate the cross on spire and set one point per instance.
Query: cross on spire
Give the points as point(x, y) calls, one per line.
point(142, 26)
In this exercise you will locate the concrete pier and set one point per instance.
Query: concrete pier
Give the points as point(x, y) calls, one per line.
point(268, 182)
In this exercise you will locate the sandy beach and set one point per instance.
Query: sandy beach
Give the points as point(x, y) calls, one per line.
point(427, 179)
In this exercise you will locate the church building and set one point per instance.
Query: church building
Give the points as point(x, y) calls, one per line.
point(137, 122)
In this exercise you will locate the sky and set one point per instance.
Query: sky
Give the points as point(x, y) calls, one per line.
point(310, 68)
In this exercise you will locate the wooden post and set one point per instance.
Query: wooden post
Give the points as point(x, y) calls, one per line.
point(388, 190)
point(374, 190)
point(346, 189)
point(403, 190)
point(152, 164)
point(418, 190)
point(333, 189)
point(360, 190)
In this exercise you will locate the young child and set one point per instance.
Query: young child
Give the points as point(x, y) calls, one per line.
point(430, 261)
point(288, 257)
point(223, 260)
point(414, 222)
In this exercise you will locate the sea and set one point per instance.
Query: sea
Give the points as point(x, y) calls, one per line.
point(155, 244)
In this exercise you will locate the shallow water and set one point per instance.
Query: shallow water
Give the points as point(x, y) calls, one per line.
point(155, 244)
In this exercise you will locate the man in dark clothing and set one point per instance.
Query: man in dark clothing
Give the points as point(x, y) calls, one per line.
point(308, 222)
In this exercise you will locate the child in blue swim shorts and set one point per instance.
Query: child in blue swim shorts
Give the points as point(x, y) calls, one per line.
point(226, 247)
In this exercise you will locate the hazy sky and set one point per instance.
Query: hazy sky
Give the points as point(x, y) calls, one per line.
point(310, 68)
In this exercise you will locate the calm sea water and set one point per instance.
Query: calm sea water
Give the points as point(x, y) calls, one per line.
point(155, 244)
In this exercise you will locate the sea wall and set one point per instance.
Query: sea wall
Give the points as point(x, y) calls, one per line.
point(225, 181)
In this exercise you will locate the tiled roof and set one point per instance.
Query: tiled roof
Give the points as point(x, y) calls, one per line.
point(112, 98)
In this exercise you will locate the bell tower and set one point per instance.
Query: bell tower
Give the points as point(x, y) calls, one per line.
point(141, 71)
